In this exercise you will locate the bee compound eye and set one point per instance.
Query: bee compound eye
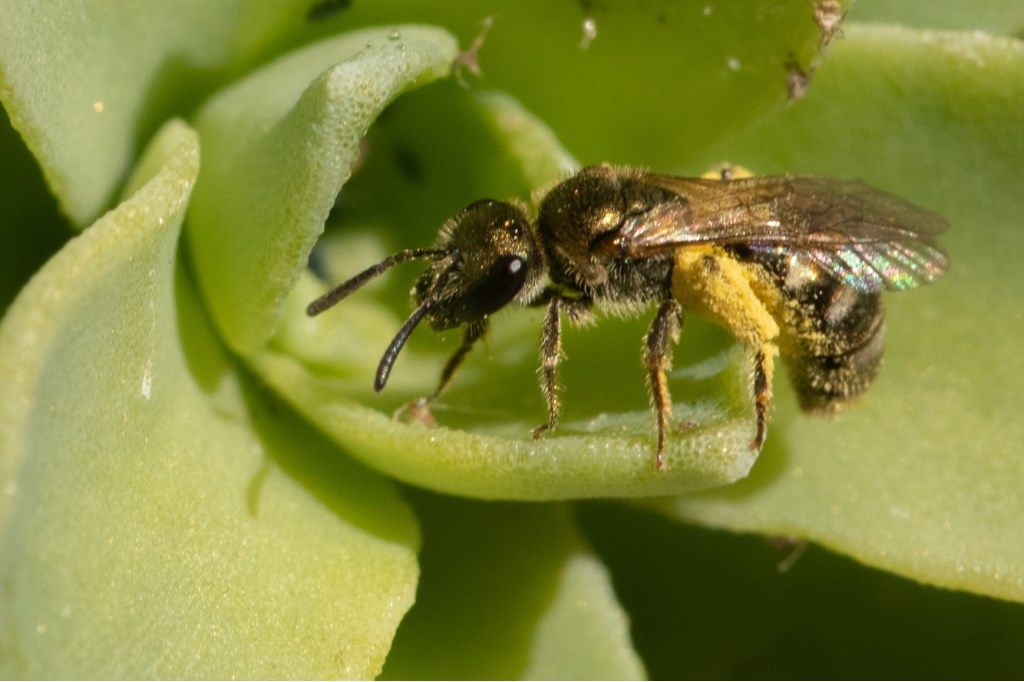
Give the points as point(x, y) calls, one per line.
point(492, 290)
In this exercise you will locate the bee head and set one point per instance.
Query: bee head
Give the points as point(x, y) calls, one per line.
point(491, 258)
point(486, 256)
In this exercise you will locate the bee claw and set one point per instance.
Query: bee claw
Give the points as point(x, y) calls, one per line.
point(417, 411)
point(659, 461)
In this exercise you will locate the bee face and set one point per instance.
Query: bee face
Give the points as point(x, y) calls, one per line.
point(492, 258)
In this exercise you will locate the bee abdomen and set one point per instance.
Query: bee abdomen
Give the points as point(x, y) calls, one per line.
point(832, 333)
point(836, 335)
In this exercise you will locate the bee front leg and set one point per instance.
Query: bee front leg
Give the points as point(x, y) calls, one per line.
point(473, 332)
point(419, 409)
point(663, 333)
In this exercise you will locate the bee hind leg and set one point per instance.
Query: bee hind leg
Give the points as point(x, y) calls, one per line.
point(663, 333)
point(762, 396)
point(709, 281)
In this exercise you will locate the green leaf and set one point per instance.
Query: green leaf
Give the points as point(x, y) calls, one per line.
point(488, 452)
point(923, 475)
point(160, 517)
point(584, 633)
point(659, 81)
point(999, 17)
point(509, 591)
point(711, 605)
point(278, 146)
point(87, 85)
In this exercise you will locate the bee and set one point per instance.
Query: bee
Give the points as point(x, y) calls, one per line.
point(790, 265)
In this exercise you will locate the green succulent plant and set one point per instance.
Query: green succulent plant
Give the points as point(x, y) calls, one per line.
point(197, 479)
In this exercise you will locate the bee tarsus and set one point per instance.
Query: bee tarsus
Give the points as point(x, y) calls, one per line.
point(550, 356)
point(664, 332)
point(473, 332)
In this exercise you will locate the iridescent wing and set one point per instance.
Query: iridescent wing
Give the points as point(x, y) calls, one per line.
point(865, 237)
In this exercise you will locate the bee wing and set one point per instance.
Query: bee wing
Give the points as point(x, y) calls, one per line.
point(867, 238)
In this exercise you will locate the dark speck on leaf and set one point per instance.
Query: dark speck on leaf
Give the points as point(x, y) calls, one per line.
point(325, 9)
point(408, 164)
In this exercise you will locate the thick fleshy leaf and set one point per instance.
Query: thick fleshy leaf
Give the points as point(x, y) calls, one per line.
point(656, 82)
point(584, 633)
point(488, 452)
point(510, 591)
point(278, 145)
point(86, 84)
point(710, 605)
point(998, 17)
point(923, 475)
point(159, 517)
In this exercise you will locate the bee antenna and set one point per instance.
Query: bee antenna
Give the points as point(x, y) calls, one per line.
point(387, 360)
point(345, 288)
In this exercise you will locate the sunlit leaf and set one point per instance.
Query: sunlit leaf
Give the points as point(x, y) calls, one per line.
point(998, 17)
point(923, 476)
point(159, 516)
point(656, 80)
point(278, 145)
point(87, 83)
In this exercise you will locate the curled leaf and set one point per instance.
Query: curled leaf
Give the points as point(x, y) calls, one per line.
point(510, 591)
point(278, 146)
point(159, 516)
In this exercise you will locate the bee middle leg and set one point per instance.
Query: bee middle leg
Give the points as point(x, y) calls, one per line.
point(663, 333)
point(551, 349)
point(550, 356)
